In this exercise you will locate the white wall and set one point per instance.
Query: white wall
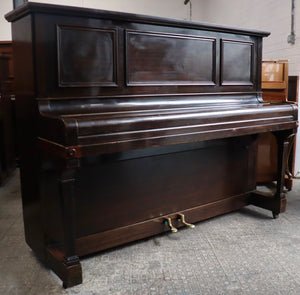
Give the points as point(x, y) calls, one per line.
point(165, 8)
point(268, 15)
point(5, 31)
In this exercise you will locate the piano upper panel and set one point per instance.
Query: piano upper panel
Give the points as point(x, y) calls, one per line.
point(129, 59)
point(100, 53)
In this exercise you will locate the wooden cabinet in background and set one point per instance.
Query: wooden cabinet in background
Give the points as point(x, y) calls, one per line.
point(7, 147)
point(275, 79)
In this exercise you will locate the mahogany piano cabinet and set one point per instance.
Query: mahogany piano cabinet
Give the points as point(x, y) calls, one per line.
point(6, 50)
point(131, 125)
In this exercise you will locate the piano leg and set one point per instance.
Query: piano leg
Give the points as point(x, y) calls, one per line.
point(64, 262)
point(276, 202)
point(284, 140)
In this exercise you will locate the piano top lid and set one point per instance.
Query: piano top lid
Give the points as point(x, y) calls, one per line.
point(31, 7)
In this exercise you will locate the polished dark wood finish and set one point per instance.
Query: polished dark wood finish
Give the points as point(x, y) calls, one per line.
point(126, 120)
point(107, 239)
point(4, 73)
point(75, 48)
point(293, 88)
point(267, 158)
point(186, 60)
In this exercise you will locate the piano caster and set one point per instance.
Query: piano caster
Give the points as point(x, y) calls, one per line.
point(168, 221)
point(275, 215)
point(181, 216)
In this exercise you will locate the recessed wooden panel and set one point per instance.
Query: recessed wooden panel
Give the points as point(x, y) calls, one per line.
point(168, 59)
point(86, 57)
point(236, 63)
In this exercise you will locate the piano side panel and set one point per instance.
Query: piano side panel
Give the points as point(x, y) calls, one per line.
point(27, 118)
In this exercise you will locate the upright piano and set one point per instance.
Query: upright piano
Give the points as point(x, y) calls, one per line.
point(130, 126)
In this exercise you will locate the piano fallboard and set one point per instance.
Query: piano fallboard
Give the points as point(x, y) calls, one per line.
point(117, 129)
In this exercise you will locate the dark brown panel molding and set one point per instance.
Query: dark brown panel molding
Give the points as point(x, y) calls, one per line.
point(236, 63)
point(87, 57)
point(154, 58)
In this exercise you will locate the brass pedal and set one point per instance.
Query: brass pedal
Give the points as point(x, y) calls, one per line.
point(168, 221)
point(181, 216)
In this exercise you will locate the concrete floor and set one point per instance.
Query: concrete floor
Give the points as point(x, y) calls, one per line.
point(245, 252)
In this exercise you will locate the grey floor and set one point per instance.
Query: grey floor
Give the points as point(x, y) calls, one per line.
point(245, 252)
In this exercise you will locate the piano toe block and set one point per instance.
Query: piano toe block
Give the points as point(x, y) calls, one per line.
point(70, 272)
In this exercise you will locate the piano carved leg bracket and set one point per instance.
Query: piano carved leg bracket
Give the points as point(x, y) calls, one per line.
point(276, 202)
point(63, 260)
